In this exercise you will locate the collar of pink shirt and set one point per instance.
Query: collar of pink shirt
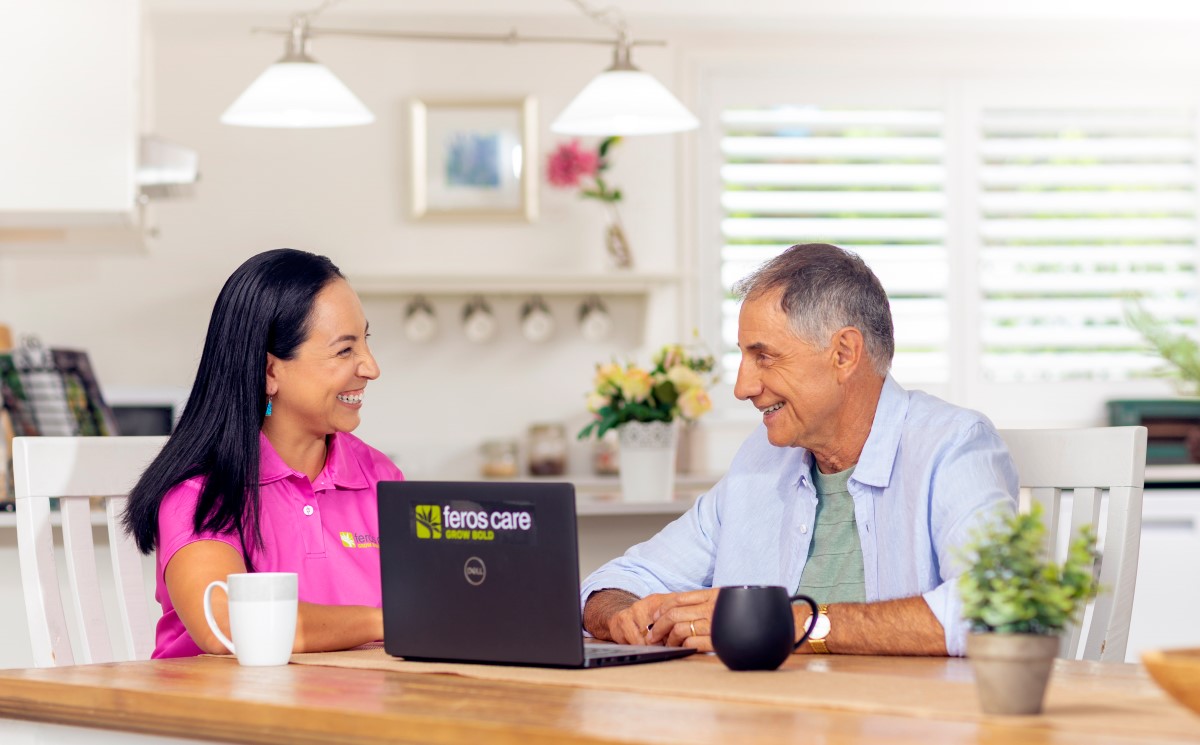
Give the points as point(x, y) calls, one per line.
point(341, 469)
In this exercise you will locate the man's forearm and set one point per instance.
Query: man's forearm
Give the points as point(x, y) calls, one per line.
point(892, 627)
point(602, 605)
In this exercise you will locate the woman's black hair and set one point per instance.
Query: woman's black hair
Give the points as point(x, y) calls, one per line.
point(264, 307)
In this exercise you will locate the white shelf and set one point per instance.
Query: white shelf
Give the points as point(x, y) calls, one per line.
point(600, 496)
point(611, 283)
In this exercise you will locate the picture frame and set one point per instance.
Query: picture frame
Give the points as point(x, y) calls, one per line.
point(474, 159)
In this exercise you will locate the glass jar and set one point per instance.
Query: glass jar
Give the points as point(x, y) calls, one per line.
point(547, 450)
point(606, 455)
point(499, 459)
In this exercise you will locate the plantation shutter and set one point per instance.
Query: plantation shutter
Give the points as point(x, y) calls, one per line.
point(869, 180)
point(1080, 210)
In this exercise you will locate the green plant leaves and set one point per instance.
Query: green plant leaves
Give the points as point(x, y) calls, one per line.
point(1010, 587)
point(1179, 351)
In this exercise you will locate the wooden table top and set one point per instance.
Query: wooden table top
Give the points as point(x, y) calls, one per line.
point(215, 698)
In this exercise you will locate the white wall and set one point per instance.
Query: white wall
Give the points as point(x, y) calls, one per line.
point(343, 192)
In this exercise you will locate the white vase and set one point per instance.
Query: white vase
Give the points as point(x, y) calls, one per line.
point(647, 461)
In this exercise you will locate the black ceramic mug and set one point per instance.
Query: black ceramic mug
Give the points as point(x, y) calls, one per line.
point(753, 628)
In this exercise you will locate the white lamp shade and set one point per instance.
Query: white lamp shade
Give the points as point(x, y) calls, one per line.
point(297, 95)
point(624, 102)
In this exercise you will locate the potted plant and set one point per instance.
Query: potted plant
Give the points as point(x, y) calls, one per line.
point(1018, 602)
point(1180, 352)
point(642, 405)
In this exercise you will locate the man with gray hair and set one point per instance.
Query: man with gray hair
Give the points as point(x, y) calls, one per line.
point(853, 491)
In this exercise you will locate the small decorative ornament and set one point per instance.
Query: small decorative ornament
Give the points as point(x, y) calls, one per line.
point(420, 323)
point(568, 165)
point(594, 321)
point(479, 324)
point(537, 325)
point(269, 405)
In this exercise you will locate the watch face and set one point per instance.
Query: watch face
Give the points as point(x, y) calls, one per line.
point(821, 629)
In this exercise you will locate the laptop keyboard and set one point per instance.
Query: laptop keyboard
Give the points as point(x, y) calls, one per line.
point(600, 651)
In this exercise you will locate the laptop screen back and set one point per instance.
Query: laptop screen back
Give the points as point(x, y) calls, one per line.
point(480, 572)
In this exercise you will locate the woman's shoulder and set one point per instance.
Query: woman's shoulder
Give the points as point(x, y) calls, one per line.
point(184, 493)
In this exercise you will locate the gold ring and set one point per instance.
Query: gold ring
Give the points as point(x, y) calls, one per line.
point(692, 624)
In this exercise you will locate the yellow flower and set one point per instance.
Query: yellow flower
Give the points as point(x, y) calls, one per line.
point(694, 403)
point(596, 402)
point(684, 378)
point(609, 373)
point(636, 384)
point(670, 356)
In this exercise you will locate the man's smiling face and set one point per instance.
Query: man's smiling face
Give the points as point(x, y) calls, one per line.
point(793, 383)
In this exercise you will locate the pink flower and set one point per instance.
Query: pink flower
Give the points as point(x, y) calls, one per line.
point(569, 163)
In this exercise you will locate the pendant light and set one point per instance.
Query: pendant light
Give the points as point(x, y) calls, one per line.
point(624, 100)
point(297, 92)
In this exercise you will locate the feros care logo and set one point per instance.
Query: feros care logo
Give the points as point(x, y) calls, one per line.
point(358, 540)
point(461, 520)
point(428, 521)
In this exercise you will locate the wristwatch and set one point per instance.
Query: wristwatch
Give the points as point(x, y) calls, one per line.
point(816, 640)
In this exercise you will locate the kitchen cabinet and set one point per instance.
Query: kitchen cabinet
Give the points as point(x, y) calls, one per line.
point(70, 129)
point(1166, 603)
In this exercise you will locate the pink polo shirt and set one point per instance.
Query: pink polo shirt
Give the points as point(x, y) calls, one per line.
point(327, 531)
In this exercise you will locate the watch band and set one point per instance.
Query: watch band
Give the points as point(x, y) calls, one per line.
point(818, 645)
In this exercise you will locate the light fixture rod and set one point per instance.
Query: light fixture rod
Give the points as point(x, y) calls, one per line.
point(511, 37)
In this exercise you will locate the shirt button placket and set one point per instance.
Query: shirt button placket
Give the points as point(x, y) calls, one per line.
point(311, 528)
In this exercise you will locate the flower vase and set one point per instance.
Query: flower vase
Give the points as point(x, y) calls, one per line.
point(648, 461)
point(615, 240)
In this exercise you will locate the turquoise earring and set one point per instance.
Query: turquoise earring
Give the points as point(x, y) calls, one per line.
point(269, 405)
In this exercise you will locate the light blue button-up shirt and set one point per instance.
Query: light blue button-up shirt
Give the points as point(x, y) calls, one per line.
point(930, 473)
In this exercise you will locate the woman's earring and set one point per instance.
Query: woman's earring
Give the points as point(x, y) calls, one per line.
point(269, 405)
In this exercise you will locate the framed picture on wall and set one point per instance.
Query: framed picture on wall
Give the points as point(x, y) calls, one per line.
point(474, 159)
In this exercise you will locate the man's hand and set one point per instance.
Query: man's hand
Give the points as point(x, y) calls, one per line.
point(681, 619)
point(684, 619)
point(620, 616)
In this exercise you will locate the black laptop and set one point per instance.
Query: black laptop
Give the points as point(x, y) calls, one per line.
point(487, 572)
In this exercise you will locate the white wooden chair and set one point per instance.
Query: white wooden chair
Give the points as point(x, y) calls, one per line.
point(1088, 465)
point(74, 469)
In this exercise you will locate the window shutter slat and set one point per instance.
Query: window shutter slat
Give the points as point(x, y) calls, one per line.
point(1080, 211)
point(870, 180)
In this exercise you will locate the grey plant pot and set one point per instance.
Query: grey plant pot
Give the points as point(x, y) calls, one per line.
point(1011, 670)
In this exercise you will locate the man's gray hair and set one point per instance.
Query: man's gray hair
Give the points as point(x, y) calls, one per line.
point(826, 288)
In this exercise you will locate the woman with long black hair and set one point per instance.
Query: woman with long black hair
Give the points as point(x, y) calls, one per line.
point(262, 473)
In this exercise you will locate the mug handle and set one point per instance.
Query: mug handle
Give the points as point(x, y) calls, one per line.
point(812, 620)
point(208, 614)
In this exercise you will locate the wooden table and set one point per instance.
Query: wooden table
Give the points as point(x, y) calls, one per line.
point(214, 698)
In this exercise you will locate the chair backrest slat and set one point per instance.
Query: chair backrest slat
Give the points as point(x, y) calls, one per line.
point(48, 633)
point(136, 629)
point(83, 582)
point(73, 469)
point(1091, 464)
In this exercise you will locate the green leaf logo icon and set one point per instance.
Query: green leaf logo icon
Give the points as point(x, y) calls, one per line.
point(429, 520)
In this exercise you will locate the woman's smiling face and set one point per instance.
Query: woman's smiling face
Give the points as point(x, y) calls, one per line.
point(320, 390)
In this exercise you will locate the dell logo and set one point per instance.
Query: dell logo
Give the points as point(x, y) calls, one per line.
point(475, 570)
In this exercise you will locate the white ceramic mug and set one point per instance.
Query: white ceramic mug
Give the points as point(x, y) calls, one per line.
point(537, 325)
point(262, 616)
point(420, 322)
point(479, 324)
